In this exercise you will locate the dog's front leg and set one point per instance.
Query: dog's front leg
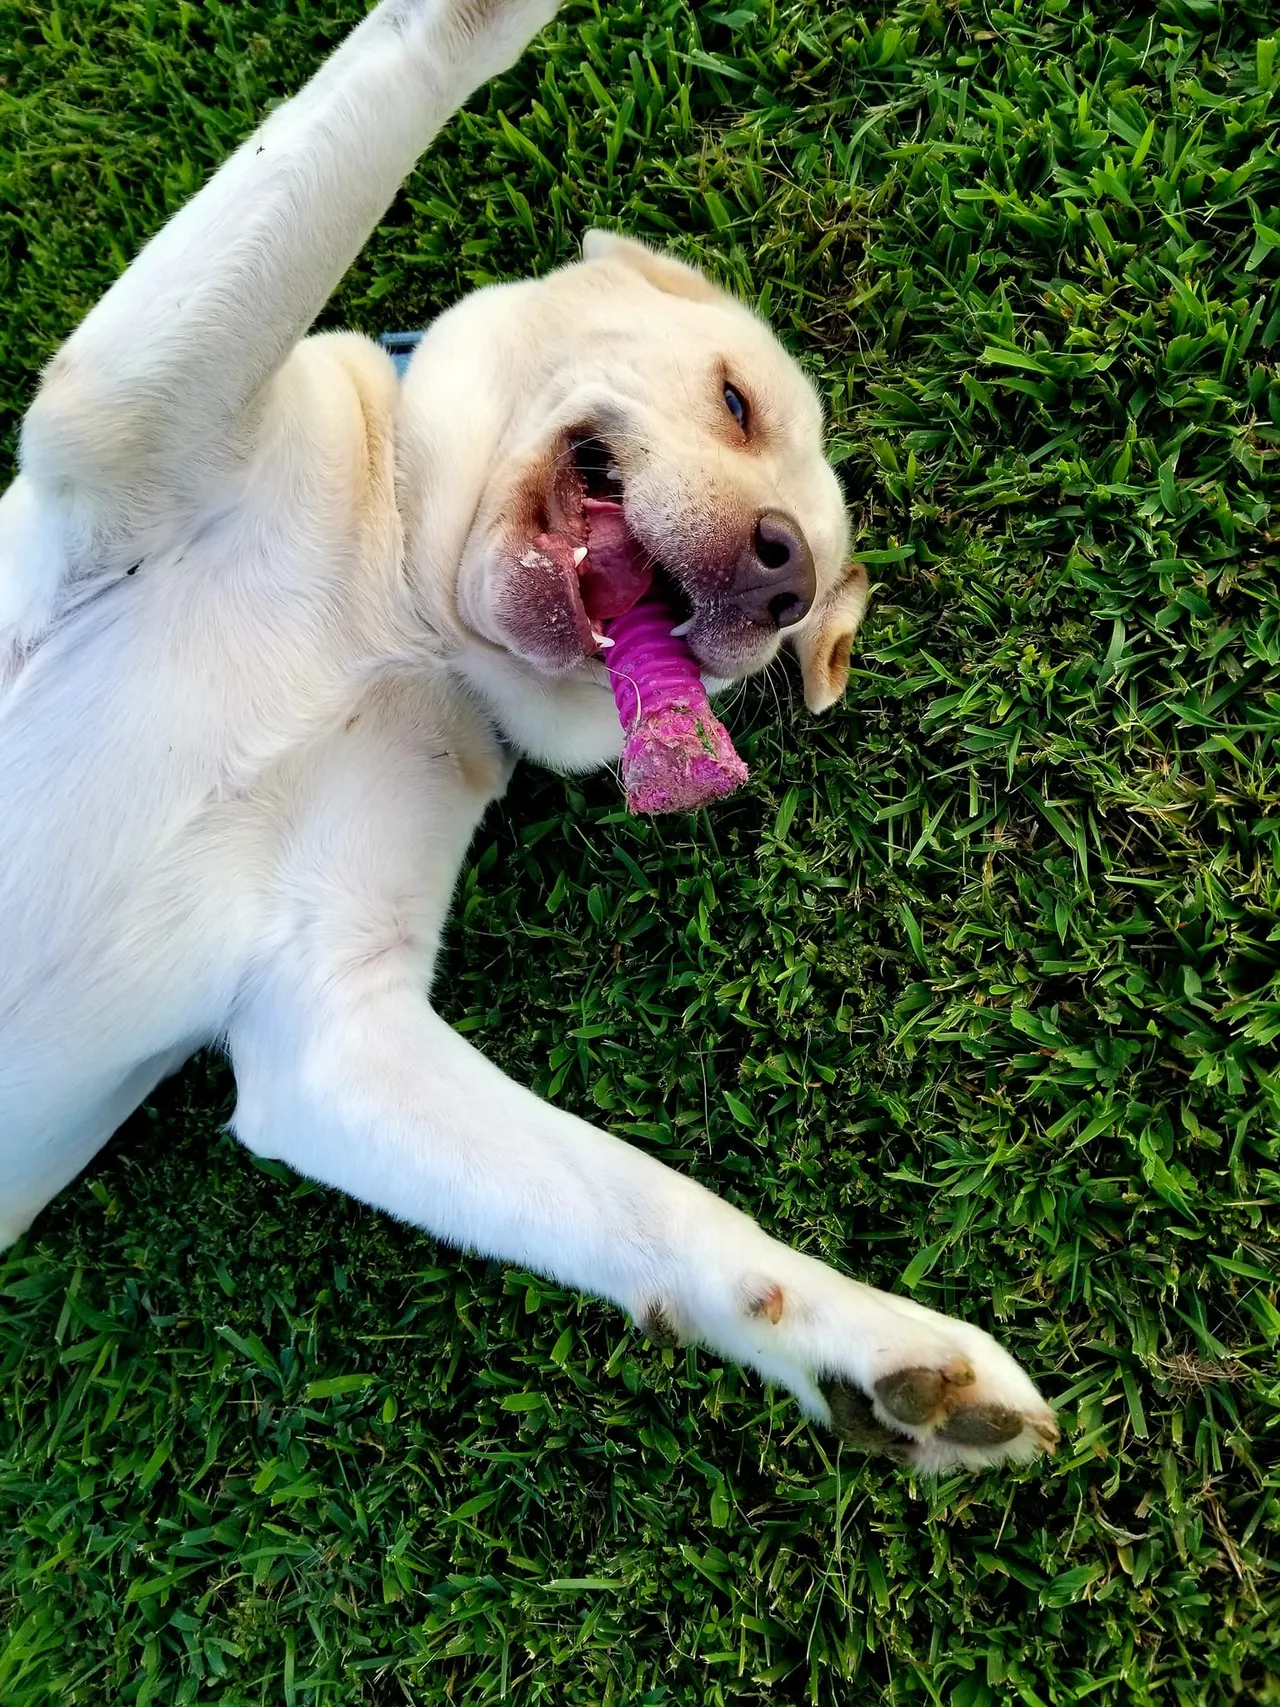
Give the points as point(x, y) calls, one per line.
point(152, 400)
point(356, 1082)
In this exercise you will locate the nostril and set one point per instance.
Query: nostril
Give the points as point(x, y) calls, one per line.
point(774, 546)
point(787, 610)
point(775, 582)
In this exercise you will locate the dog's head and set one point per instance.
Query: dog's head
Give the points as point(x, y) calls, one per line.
point(653, 434)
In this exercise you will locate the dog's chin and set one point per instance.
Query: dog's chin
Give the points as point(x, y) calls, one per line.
point(729, 660)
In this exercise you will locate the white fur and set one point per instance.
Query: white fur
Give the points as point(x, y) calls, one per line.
point(255, 696)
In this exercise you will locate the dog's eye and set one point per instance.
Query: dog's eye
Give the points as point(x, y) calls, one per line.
point(736, 404)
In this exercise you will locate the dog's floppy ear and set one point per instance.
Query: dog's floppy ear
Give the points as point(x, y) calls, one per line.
point(662, 271)
point(824, 642)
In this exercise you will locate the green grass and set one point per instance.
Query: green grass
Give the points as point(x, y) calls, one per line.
point(975, 991)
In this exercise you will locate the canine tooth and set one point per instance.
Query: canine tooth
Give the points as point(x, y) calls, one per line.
point(681, 629)
point(602, 641)
point(579, 556)
point(613, 472)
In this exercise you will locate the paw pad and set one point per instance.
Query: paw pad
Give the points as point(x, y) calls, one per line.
point(982, 1425)
point(916, 1395)
point(912, 1395)
point(856, 1423)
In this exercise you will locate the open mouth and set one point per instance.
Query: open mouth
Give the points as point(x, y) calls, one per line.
point(576, 564)
point(599, 529)
point(615, 570)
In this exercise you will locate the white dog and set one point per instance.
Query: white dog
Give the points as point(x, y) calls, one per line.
point(270, 628)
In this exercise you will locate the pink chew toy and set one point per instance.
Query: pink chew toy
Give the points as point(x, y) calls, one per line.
point(677, 755)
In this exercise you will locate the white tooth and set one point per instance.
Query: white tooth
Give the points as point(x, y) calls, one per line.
point(613, 472)
point(579, 556)
point(602, 641)
point(679, 632)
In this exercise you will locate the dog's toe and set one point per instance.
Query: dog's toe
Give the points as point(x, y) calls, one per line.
point(856, 1423)
point(912, 1395)
point(982, 1425)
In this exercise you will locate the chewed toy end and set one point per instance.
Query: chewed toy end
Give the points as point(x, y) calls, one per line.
point(678, 759)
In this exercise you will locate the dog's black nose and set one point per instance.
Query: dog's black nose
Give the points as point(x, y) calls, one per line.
point(776, 582)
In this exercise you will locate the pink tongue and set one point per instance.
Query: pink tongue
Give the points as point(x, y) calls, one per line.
point(617, 572)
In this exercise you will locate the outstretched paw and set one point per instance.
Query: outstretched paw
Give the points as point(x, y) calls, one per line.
point(934, 1416)
point(887, 1374)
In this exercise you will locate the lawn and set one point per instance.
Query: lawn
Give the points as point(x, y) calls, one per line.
point(975, 991)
